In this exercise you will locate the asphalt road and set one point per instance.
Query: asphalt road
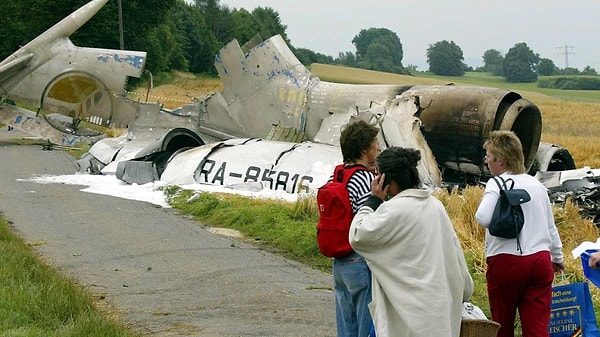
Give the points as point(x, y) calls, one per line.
point(162, 274)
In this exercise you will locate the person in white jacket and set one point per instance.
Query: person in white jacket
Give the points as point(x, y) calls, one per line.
point(519, 272)
point(420, 276)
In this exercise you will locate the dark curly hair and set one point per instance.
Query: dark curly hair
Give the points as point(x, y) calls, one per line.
point(400, 165)
point(356, 137)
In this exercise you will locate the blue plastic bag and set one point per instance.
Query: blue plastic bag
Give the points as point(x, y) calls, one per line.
point(590, 273)
point(572, 311)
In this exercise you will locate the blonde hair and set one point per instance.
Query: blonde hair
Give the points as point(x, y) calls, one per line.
point(505, 145)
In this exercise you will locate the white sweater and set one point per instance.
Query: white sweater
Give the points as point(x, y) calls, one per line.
point(420, 276)
point(539, 232)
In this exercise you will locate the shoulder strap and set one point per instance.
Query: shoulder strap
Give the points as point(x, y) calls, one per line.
point(343, 173)
point(497, 183)
point(338, 173)
point(504, 185)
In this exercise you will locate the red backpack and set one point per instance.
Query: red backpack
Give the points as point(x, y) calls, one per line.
point(335, 213)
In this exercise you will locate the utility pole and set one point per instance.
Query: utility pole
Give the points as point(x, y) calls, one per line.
point(566, 52)
point(121, 42)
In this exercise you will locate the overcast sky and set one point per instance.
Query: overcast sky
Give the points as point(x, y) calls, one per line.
point(328, 26)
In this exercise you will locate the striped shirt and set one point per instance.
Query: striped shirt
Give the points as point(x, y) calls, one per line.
point(359, 188)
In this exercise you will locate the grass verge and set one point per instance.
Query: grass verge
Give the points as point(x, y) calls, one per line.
point(289, 228)
point(36, 300)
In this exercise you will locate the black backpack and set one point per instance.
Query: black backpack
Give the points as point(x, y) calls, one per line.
point(508, 219)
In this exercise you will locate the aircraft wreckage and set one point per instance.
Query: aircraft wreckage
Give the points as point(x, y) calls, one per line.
point(275, 125)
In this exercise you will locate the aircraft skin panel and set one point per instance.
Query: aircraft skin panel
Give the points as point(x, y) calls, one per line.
point(401, 127)
point(142, 142)
point(136, 142)
point(279, 166)
point(187, 161)
point(551, 157)
point(326, 99)
point(27, 121)
point(220, 118)
point(150, 116)
point(106, 149)
point(271, 81)
point(269, 71)
point(10, 68)
point(331, 127)
point(298, 174)
point(223, 163)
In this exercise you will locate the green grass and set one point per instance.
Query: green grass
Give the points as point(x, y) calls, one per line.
point(486, 79)
point(281, 227)
point(35, 300)
point(338, 74)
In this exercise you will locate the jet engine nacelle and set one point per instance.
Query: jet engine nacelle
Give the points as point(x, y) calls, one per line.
point(457, 120)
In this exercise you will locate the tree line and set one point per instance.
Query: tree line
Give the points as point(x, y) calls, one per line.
point(178, 35)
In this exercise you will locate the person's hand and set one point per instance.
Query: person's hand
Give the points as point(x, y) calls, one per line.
point(594, 259)
point(377, 188)
point(558, 266)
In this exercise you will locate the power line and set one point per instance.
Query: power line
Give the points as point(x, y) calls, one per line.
point(566, 52)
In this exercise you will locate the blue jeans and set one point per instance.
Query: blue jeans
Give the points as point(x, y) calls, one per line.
point(352, 280)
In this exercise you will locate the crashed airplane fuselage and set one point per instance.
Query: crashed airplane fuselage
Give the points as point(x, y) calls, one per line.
point(268, 91)
point(274, 125)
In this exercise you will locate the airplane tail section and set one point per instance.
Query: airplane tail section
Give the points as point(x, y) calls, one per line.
point(83, 84)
